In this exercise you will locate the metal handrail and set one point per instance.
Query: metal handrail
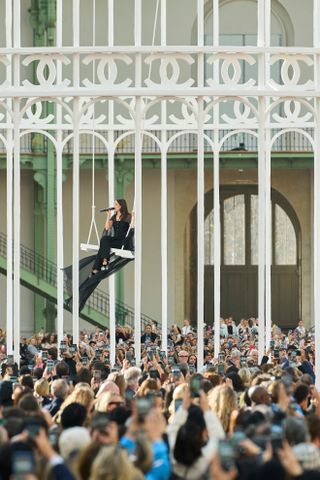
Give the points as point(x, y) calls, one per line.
point(46, 270)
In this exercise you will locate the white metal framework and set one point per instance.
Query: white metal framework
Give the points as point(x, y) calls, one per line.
point(178, 95)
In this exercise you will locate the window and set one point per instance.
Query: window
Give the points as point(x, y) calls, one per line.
point(239, 226)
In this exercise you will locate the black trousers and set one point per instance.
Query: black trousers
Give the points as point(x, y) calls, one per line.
point(106, 243)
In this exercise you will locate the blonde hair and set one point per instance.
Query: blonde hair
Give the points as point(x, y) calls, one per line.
point(149, 385)
point(81, 394)
point(102, 402)
point(245, 375)
point(118, 379)
point(112, 463)
point(41, 387)
point(223, 401)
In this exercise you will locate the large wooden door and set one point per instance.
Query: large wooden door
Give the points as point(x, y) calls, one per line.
point(239, 270)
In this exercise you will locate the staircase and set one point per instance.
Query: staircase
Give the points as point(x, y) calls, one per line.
point(40, 275)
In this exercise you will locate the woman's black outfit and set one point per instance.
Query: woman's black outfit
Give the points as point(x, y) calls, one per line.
point(113, 238)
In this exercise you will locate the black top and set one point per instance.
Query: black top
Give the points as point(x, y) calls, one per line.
point(119, 227)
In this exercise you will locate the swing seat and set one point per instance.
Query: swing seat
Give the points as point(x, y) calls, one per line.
point(89, 247)
point(121, 252)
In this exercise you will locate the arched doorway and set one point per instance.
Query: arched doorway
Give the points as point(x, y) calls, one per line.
point(239, 256)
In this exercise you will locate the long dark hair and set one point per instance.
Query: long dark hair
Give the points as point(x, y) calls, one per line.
point(124, 208)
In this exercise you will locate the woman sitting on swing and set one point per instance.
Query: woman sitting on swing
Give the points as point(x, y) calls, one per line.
point(114, 234)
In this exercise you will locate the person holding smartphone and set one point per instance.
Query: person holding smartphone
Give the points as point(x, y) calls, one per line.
point(190, 428)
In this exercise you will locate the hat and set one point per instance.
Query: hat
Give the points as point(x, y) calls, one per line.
point(308, 455)
point(72, 440)
point(5, 393)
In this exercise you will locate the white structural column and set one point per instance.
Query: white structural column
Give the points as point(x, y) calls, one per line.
point(266, 5)
point(316, 189)
point(164, 231)
point(200, 235)
point(216, 193)
point(17, 190)
point(9, 198)
point(59, 184)
point(138, 189)
point(17, 231)
point(112, 285)
point(200, 193)
point(76, 180)
point(164, 198)
point(138, 231)
point(261, 229)
point(112, 290)
point(76, 219)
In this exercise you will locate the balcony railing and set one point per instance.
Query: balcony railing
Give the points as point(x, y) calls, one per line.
point(46, 271)
point(187, 143)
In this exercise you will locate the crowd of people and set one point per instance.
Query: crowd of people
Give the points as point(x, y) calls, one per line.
point(67, 413)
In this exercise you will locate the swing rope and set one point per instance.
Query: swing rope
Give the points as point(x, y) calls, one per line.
point(93, 224)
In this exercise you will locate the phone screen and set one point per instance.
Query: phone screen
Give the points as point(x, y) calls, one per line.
point(221, 358)
point(226, 453)
point(23, 463)
point(220, 368)
point(177, 404)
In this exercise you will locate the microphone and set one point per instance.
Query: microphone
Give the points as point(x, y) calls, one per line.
point(107, 209)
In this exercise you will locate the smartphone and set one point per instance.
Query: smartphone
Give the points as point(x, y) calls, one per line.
point(63, 346)
point(44, 355)
point(272, 344)
point(13, 378)
point(10, 360)
point(153, 373)
point(192, 369)
point(171, 360)
point(293, 355)
point(226, 453)
point(33, 430)
point(84, 360)
point(23, 463)
point(53, 437)
point(73, 348)
point(221, 368)
point(162, 355)
point(243, 361)
point(143, 407)
point(97, 352)
point(100, 421)
point(150, 355)
point(195, 386)
point(276, 354)
point(50, 365)
point(176, 372)
point(276, 438)
point(221, 358)
point(177, 404)
point(128, 356)
point(133, 362)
